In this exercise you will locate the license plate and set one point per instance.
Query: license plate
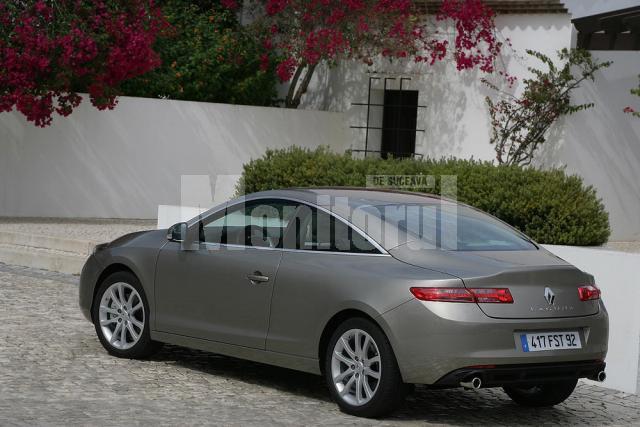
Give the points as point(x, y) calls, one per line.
point(544, 341)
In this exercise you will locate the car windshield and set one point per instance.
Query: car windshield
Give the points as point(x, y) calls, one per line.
point(446, 226)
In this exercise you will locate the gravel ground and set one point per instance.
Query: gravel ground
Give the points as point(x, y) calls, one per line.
point(53, 371)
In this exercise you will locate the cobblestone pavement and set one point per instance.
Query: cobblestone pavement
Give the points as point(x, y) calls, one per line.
point(53, 371)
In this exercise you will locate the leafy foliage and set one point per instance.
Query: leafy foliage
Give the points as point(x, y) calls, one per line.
point(305, 33)
point(549, 206)
point(521, 124)
point(630, 110)
point(208, 57)
point(51, 50)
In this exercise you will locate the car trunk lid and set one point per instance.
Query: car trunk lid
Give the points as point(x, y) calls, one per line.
point(542, 285)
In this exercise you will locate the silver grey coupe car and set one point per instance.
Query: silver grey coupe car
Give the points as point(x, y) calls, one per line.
point(375, 290)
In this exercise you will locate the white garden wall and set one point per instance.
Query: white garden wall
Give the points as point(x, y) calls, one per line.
point(124, 163)
point(618, 276)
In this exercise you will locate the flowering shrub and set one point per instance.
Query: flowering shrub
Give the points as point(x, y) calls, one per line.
point(304, 33)
point(474, 28)
point(521, 123)
point(50, 50)
point(207, 57)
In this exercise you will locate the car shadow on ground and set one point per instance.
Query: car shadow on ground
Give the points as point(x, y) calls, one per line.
point(452, 406)
point(281, 379)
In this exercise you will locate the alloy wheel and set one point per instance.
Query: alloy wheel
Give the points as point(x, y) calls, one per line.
point(121, 316)
point(356, 367)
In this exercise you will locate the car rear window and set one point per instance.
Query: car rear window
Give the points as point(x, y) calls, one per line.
point(447, 226)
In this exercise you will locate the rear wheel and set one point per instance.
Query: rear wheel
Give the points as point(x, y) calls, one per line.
point(547, 394)
point(121, 317)
point(361, 370)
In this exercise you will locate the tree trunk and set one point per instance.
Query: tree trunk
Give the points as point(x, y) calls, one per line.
point(296, 91)
point(292, 85)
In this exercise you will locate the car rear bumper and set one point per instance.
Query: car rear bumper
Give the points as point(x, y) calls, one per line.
point(433, 339)
point(523, 375)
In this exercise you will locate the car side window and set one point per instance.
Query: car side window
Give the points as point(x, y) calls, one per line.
point(316, 230)
point(258, 223)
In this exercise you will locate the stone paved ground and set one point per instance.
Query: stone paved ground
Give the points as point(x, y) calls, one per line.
point(53, 371)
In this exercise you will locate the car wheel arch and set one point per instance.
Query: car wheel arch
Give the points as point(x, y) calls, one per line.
point(108, 271)
point(336, 320)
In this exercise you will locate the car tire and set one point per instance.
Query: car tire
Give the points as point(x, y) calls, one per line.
point(348, 367)
point(121, 304)
point(547, 394)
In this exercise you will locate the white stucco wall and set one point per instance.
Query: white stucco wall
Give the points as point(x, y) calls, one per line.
point(603, 144)
point(124, 163)
point(455, 119)
point(605, 148)
point(616, 274)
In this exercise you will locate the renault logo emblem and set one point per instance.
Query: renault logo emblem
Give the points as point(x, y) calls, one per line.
point(549, 296)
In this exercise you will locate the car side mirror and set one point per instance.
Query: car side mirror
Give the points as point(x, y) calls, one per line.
point(176, 231)
point(188, 237)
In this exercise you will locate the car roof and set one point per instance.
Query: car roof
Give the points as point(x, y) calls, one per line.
point(353, 196)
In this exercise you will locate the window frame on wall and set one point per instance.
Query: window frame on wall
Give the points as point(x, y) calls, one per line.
point(399, 123)
point(387, 130)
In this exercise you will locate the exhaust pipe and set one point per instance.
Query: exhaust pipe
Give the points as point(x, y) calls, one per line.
point(474, 384)
point(601, 376)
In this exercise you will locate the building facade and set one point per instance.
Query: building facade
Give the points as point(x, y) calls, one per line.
point(124, 163)
point(407, 109)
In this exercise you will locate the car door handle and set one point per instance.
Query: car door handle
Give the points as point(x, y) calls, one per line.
point(257, 278)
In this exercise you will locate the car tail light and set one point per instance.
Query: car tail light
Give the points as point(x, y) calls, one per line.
point(478, 295)
point(443, 294)
point(588, 293)
point(501, 295)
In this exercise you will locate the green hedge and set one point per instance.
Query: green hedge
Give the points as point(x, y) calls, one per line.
point(547, 205)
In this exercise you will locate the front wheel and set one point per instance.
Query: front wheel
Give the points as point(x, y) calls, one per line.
point(121, 317)
point(547, 394)
point(361, 370)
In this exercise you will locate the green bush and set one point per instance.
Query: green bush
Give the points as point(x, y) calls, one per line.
point(206, 56)
point(547, 205)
